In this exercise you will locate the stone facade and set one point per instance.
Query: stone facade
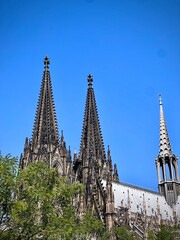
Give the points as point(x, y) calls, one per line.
point(114, 202)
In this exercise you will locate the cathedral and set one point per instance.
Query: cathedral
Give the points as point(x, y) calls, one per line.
point(114, 203)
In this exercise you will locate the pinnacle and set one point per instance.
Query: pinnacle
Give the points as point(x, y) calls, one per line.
point(165, 146)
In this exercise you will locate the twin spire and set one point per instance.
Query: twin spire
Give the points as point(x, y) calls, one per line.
point(45, 129)
point(91, 131)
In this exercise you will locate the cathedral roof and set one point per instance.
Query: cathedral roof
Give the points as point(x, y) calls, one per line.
point(45, 129)
point(139, 199)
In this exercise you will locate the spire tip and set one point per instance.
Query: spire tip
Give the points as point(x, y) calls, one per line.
point(46, 62)
point(90, 80)
point(160, 99)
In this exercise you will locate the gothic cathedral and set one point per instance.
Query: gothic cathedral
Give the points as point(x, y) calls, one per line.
point(112, 201)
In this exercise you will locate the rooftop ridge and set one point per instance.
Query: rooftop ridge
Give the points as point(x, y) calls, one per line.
point(137, 187)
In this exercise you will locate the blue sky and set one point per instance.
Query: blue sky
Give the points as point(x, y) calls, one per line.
point(131, 47)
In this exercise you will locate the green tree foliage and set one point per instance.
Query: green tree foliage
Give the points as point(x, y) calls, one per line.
point(37, 204)
point(122, 233)
point(8, 172)
point(151, 235)
point(169, 233)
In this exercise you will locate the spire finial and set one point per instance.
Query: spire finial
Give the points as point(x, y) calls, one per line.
point(160, 99)
point(46, 62)
point(90, 80)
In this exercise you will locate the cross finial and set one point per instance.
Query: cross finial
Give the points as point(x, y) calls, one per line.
point(90, 80)
point(46, 62)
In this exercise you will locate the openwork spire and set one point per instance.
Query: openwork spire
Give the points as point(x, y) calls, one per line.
point(165, 146)
point(45, 129)
point(91, 131)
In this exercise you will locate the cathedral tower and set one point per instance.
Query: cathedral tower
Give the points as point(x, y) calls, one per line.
point(167, 164)
point(45, 144)
point(91, 165)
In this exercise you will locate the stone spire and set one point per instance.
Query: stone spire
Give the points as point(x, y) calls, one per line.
point(164, 146)
point(45, 125)
point(91, 131)
point(45, 144)
point(167, 164)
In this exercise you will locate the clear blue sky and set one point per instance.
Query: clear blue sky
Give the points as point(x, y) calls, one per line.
point(132, 49)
